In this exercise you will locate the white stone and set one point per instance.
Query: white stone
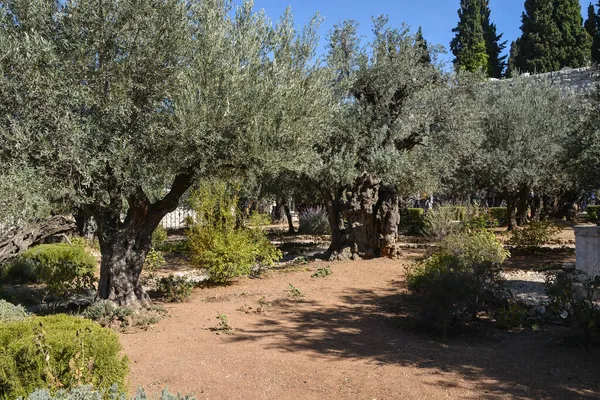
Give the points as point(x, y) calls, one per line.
point(587, 244)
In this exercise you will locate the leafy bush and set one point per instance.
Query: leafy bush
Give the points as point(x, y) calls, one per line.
point(175, 289)
point(105, 312)
point(593, 213)
point(412, 220)
point(11, 313)
point(533, 235)
point(477, 218)
point(458, 281)
point(467, 250)
point(66, 269)
point(58, 351)
point(159, 236)
point(78, 241)
point(499, 214)
point(314, 221)
point(154, 261)
point(513, 315)
point(87, 392)
point(217, 240)
point(440, 222)
point(259, 219)
point(573, 297)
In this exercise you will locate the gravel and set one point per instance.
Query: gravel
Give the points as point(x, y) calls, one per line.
point(527, 286)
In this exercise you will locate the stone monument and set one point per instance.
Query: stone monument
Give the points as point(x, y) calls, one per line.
point(587, 243)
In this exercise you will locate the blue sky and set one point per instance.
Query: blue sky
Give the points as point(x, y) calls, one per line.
point(437, 17)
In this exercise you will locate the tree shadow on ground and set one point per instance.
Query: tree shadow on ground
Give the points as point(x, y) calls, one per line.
point(383, 326)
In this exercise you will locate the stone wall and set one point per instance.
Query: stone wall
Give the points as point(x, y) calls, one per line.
point(578, 79)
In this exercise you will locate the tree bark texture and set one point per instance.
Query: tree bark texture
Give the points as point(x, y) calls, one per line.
point(364, 220)
point(124, 244)
point(18, 240)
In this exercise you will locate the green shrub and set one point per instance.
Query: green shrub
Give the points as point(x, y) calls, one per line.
point(78, 241)
point(572, 298)
point(593, 213)
point(159, 236)
point(11, 313)
point(498, 214)
point(154, 261)
point(478, 219)
point(314, 221)
point(411, 219)
point(175, 289)
point(478, 247)
point(440, 222)
point(458, 281)
point(513, 315)
point(87, 392)
point(66, 269)
point(259, 219)
point(58, 351)
point(217, 241)
point(533, 235)
point(105, 312)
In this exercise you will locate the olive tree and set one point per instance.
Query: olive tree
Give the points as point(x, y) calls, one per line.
point(123, 105)
point(520, 143)
point(392, 115)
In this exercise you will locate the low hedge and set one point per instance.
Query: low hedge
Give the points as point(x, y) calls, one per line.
point(412, 220)
point(58, 351)
point(499, 215)
point(66, 269)
point(593, 213)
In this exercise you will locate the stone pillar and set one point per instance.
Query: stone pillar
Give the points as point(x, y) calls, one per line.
point(587, 243)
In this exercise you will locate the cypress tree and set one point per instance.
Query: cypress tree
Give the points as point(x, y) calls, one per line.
point(421, 43)
point(594, 32)
point(513, 60)
point(590, 25)
point(553, 37)
point(494, 46)
point(574, 46)
point(469, 45)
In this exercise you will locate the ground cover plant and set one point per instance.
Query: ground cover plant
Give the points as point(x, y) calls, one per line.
point(58, 351)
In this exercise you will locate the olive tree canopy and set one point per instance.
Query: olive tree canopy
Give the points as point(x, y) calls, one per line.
point(119, 106)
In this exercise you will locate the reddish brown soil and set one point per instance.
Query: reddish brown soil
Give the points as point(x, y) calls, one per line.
point(353, 336)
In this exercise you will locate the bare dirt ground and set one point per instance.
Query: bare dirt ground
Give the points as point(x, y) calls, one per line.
point(352, 336)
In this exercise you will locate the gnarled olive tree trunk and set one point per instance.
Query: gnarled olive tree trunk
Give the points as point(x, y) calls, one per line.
point(364, 220)
point(20, 239)
point(124, 244)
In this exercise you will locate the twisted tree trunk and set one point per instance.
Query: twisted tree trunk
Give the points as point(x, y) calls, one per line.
point(364, 220)
point(124, 244)
point(18, 240)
